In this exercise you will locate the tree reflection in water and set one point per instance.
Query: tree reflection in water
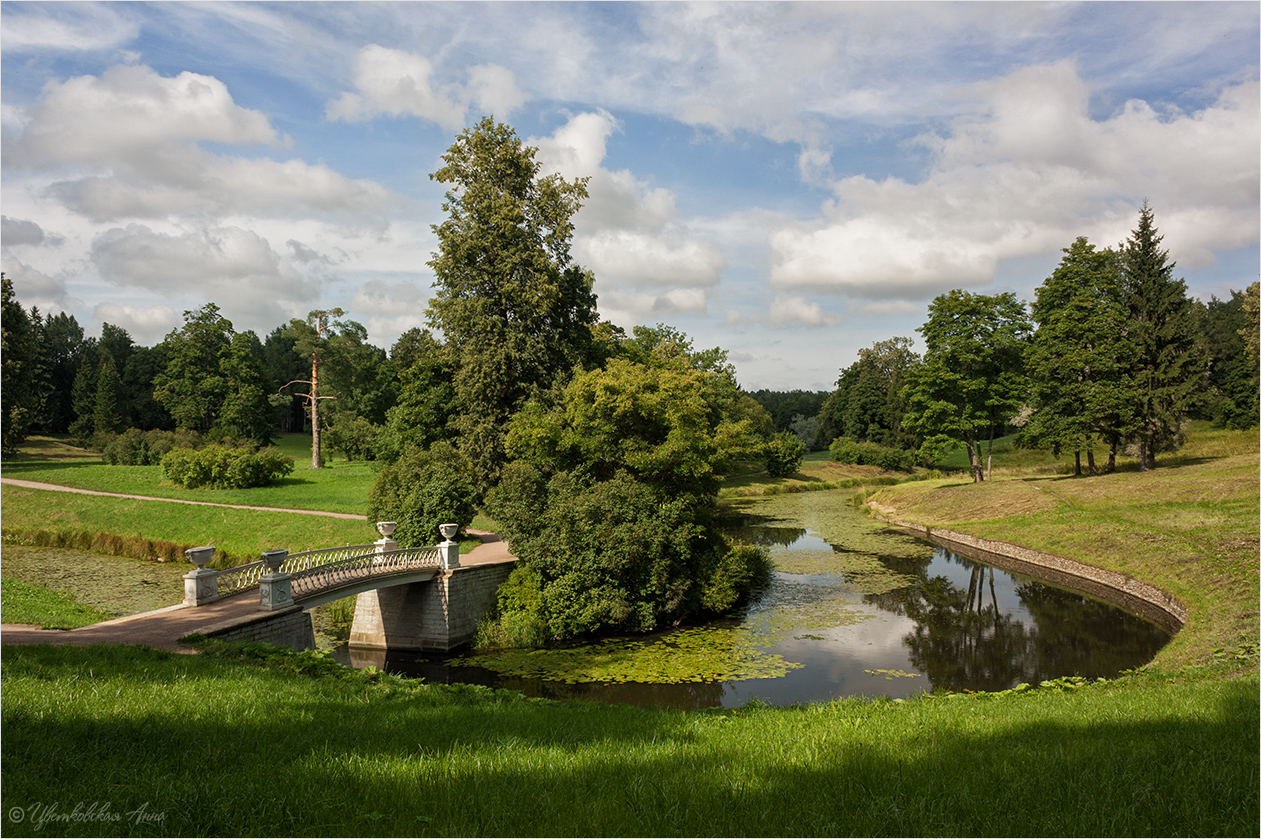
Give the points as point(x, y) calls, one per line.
point(966, 639)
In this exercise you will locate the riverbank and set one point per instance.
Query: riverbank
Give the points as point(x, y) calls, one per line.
point(1190, 528)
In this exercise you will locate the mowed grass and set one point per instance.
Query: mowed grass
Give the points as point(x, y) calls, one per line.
point(1191, 527)
point(210, 746)
point(340, 487)
point(32, 604)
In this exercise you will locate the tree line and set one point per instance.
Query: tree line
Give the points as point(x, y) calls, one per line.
point(1112, 355)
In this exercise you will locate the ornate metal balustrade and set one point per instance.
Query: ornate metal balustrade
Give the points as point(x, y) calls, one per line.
point(280, 576)
point(349, 569)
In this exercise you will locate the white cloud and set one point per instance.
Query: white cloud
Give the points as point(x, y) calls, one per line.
point(233, 267)
point(147, 325)
point(395, 82)
point(797, 311)
point(19, 231)
point(65, 27)
point(1025, 173)
point(35, 288)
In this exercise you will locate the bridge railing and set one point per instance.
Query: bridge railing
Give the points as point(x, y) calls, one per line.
point(279, 575)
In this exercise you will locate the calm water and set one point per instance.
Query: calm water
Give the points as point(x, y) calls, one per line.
point(867, 611)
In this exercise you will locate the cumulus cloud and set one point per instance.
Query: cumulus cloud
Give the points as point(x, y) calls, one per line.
point(1025, 172)
point(35, 288)
point(18, 231)
point(797, 311)
point(628, 232)
point(232, 266)
point(147, 325)
point(395, 82)
point(129, 139)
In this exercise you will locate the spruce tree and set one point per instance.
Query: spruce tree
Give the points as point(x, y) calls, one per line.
point(1169, 370)
point(109, 405)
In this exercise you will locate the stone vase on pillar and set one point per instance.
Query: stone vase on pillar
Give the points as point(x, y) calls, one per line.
point(201, 585)
point(385, 543)
point(448, 548)
point(274, 588)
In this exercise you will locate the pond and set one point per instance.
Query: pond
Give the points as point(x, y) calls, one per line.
point(854, 609)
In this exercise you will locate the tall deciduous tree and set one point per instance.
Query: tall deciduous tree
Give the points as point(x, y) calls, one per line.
point(192, 387)
point(972, 378)
point(868, 404)
point(513, 307)
point(322, 338)
point(1169, 370)
point(1081, 357)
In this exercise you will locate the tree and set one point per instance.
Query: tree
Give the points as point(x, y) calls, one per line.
point(421, 416)
point(1222, 327)
point(868, 404)
point(19, 350)
point(322, 338)
point(109, 405)
point(64, 350)
point(1081, 357)
point(972, 377)
point(610, 495)
point(514, 309)
point(246, 411)
point(191, 387)
point(282, 363)
point(1169, 371)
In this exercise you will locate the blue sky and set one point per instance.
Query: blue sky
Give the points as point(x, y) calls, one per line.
point(791, 182)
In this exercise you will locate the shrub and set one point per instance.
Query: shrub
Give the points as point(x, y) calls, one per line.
point(134, 447)
point(353, 436)
point(743, 572)
point(423, 489)
point(784, 453)
point(846, 450)
point(217, 467)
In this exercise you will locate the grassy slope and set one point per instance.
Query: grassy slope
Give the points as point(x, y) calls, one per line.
point(27, 603)
point(1189, 527)
point(220, 747)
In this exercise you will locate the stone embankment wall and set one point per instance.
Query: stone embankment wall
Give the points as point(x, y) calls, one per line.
point(435, 616)
point(1130, 594)
point(286, 627)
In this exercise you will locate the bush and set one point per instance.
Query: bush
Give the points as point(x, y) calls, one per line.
point(353, 436)
point(423, 489)
point(784, 453)
point(517, 620)
point(743, 572)
point(217, 467)
point(134, 447)
point(846, 450)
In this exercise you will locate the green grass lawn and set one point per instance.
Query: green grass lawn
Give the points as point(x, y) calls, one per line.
point(209, 746)
point(340, 487)
point(33, 604)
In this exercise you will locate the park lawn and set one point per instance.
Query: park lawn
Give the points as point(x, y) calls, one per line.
point(240, 534)
point(340, 487)
point(292, 745)
point(1190, 527)
point(39, 606)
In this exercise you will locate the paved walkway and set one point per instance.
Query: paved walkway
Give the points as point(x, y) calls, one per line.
point(163, 628)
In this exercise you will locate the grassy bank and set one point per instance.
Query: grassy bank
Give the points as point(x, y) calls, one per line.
point(1189, 527)
point(179, 745)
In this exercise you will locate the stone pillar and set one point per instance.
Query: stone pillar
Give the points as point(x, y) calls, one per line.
point(449, 549)
point(274, 591)
point(201, 585)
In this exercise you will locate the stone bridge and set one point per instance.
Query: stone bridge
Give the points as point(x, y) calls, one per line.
point(417, 599)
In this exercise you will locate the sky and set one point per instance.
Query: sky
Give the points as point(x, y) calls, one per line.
point(791, 182)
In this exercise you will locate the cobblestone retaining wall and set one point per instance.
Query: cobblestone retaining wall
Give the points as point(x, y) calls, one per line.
point(1130, 594)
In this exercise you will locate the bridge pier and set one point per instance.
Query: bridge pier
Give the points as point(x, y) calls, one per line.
point(434, 616)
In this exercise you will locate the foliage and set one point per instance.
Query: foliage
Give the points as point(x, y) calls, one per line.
point(784, 453)
point(353, 436)
point(972, 380)
point(225, 468)
point(1226, 329)
point(869, 404)
point(18, 357)
point(513, 307)
point(191, 387)
point(134, 447)
point(845, 450)
point(737, 578)
point(423, 489)
point(246, 411)
point(425, 399)
point(1169, 370)
point(108, 412)
point(1081, 358)
point(323, 339)
point(785, 407)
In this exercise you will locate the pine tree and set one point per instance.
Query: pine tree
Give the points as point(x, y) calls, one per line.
point(1169, 370)
point(109, 408)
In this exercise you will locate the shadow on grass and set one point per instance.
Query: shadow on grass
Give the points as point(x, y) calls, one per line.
point(226, 749)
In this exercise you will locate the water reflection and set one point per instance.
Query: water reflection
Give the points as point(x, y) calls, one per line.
point(863, 623)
